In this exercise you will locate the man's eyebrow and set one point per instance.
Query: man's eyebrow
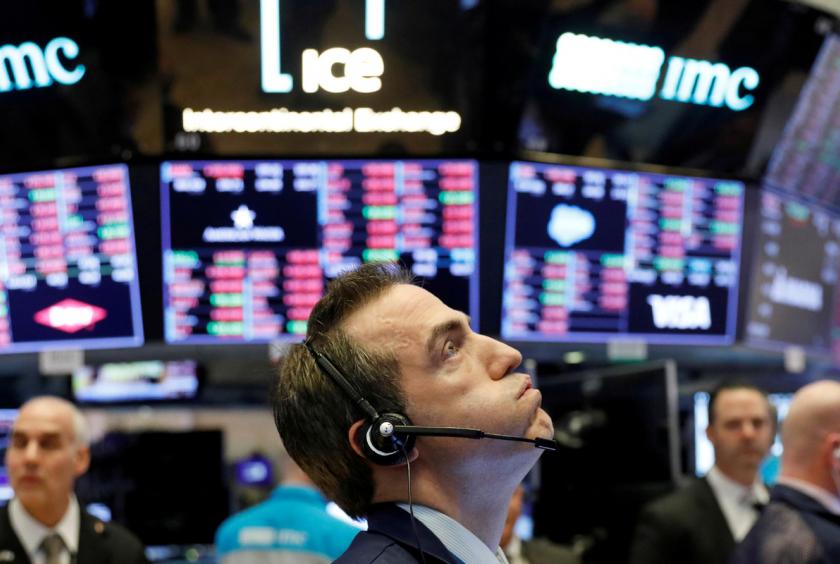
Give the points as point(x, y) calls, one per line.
point(441, 329)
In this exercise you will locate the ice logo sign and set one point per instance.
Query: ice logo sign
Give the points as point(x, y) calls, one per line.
point(680, 312)
point(570, 224)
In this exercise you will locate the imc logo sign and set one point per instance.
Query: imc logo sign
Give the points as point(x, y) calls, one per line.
point(28, 66)
point(614, 68)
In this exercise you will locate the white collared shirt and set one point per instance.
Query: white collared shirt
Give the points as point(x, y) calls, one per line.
point(457, 539)
point(736, 501)
point(830, 501)
point(31, 532)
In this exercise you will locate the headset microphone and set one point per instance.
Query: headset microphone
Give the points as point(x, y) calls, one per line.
point(386, 438)
point(463, 433)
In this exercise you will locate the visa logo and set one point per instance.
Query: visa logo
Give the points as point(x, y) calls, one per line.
point(596, 65)
point(680, 312)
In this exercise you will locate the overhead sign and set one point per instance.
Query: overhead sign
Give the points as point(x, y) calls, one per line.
point(34, 67)
point(334, 70)
point(596, 65)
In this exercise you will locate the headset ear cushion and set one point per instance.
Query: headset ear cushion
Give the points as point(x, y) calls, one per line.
point(385, 450)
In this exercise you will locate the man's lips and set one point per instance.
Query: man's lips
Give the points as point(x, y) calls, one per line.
point(526, 385)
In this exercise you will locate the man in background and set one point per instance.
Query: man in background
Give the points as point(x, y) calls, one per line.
point(43, 523)
point(536, 551)
point(290, 526)
point(702, 522)
point(802, 523)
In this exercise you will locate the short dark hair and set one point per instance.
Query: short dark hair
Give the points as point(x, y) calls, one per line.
point(312, 414)
point(731, 385)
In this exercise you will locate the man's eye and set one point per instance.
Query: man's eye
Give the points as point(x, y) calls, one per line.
point(450, 349)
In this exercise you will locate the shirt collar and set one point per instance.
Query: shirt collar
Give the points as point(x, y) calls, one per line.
point(724, 486)
point(828, 500)
point(31, 532)
point(457, 539)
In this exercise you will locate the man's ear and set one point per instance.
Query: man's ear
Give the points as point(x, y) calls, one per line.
point(82, 460)
point(353, 433)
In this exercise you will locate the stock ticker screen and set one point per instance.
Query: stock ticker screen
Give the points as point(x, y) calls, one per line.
point(68, 268)
point(249, 246)
point(595, 253)
point(797, 259)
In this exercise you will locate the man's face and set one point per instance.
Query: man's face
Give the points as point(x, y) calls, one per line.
point(451, 376)
point(742, 431)
point(43, 459)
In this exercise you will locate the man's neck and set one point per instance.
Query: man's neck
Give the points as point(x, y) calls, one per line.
point(745, 477)
point(49, 515)
point(475, 505)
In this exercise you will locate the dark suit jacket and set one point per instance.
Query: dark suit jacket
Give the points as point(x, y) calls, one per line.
point(795, 529)
point(686, 526)
point(99, 543)
point(390, 539)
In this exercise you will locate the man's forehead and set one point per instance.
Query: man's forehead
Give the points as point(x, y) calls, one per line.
point(398, 316)
point(738, 401)
point(44, 418)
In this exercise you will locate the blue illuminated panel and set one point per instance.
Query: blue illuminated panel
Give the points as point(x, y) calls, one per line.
point(68, 267)
point(593, 254)
point(250, 245)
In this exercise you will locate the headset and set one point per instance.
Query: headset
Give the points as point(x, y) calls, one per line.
point(386, 439)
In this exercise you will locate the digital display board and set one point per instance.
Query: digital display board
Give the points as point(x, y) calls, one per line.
point(592, 254)
point(807, 158)
point(68, 268)
point(151, 380)
point(797, 260)
point(249, 246)
point(7, 421)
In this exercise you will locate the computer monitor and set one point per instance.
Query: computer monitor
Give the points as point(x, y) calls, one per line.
point(593, 254)
point(140, 381)
point(704, 456)
point(620, 447)
point(7, 419)
point(804, 160)
point(248, 246)
point(794, 274)
point(68, 267)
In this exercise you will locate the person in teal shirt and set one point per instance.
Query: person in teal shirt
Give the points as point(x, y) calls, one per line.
point(292, 525)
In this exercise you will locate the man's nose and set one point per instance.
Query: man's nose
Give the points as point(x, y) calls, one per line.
point(503, 360)
point(31, 452)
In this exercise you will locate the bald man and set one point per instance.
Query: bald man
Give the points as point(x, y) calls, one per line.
point(43, 523)
point(802, 523)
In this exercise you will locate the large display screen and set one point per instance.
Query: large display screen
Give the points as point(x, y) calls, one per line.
point(68, 268)
point(797, 261)
point(706, 84)
point(593, 253)
point(151, 380)
point(249, 246)
point(806, 159)
point(7, 421)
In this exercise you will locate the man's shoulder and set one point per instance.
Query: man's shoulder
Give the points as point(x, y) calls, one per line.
point(111, 537)
point(369, 548)
point(684, 500)
point(781, 534)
